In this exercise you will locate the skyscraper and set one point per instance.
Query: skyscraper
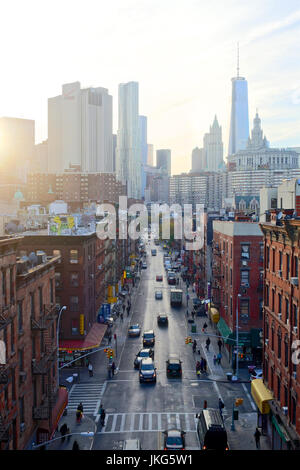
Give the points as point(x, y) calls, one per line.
point(80, 129)
point(144, 152)
point(163, 160)
point(213, 147)
point(239, 123)
point(198, 160)
point(150, 155)
point(128, 152)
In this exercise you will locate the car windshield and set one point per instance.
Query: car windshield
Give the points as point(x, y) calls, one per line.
point(147, 367)
point(174, 366)
point(174, 441)
point(148, 335)
point(134, 327)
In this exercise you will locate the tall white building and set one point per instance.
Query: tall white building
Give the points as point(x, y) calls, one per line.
point(80, 129)
point(128, 152)
point(150, 154)
point(198, 160)
point(213, 147)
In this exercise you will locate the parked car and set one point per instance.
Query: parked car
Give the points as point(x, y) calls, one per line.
point(174, 439)
point(256, 374)
point(149, 338)
point(147, 371)
point(143, 354)
point(173, 366)
point(159, 278)
point(158, 295)
point(162, 319)
point(144, 265)
point(134, 330)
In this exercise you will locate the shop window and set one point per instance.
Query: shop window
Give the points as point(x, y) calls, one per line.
point(74, 256)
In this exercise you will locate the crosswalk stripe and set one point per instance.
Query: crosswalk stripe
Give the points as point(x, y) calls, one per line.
point(90, 396)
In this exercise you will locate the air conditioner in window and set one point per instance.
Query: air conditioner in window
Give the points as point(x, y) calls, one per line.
point(245, 284)
point(245, 263)
point(294, 281)
point(285, 410)
point(295, 329)
point(279, 316)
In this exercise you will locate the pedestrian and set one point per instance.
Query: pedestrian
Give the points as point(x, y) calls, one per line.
point(257, 435)
point(187, 313)
point(80, 407)
point(63, 431)
point(109, 370)
point(193, 314)
point(221, 406)
point(194, 346)
point(121, 315)
point(128, 310)
point(205, 326)
point(205, 405)
point(219, 357)
point(113, 368)
point(207, 344)
point(201, 364)
point(220, 345)
point(109, 337)
point(90, 367)
point(75, 446)
point(204, 365)
point(78, 416)
point(215, 359)
point(123, 307)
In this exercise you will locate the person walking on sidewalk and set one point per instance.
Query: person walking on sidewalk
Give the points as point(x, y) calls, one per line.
point(215, 359)
point(204, 327)
point(207, 344)
point(113, 368)
point(220, 344)
point(221, 406)
point(257, 435)
point(75, 446)
point(204, 365)
point(90, 367)
point(63, 431)
point(194, 346)
point(121, 315)
point(128, 311)
point(219, 357)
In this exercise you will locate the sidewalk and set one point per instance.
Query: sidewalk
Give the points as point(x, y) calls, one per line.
point(84, 442)
point(242, 438)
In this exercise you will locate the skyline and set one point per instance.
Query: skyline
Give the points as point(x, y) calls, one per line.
point(182, 57)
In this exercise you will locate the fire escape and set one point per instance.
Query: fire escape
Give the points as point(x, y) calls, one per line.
point(45, 326)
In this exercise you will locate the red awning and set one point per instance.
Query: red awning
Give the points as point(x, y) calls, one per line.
point(91, 341)
point(59, 407)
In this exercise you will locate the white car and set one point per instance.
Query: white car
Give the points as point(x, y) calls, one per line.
point(158, 295)
point(256, 374)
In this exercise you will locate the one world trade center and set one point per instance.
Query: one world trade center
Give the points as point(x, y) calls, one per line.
point(239, 123)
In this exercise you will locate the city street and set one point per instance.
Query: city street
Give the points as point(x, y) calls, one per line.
point(135, 410)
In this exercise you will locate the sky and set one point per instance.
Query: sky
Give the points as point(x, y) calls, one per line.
point(182, 53)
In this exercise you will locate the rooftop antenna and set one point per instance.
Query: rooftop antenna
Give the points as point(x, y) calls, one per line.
point(238, 61)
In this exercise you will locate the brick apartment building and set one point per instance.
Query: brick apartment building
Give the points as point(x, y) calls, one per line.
point(75, 188)
point(281, 329)
point(237, 263)
point(31, 400)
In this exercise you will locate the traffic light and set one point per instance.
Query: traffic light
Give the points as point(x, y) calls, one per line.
point(111, 353)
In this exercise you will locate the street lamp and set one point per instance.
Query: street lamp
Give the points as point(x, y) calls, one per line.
point(86, 433)
point(237, 336)
point(57, 339)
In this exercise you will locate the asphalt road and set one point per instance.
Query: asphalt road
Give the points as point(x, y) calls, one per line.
point(142, 411)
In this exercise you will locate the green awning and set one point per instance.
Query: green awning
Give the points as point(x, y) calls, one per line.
point(244, 338)
point(256, 339)
point(280, 429)
point(224, 329)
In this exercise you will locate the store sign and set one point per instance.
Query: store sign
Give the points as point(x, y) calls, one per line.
point(81, 324)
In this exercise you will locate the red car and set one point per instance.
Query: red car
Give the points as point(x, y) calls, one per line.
point(159, 278)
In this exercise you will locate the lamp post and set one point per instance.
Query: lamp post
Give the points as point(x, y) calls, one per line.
point(86, 433)
point(57, 339)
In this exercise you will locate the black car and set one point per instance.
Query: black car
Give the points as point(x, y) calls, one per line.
point(173, 368)
point(143, 354)
point(162, 319)
point(174, 439)
point(149, 338)
point(147, 371)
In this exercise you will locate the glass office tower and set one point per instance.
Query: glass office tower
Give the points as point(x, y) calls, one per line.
point(239, 123)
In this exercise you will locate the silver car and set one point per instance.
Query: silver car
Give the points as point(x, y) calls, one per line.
point(158, 295)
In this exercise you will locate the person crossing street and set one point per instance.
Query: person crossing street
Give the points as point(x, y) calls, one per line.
point(207, 344)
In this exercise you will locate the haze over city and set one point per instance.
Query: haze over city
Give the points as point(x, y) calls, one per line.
point(182, 54)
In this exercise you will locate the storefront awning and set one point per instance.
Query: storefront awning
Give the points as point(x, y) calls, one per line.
point(261, 395)
point(91, 341)
point(214, 315)
point(244, 338)
point(223, 329)
point(44, 433)
point(280, 429)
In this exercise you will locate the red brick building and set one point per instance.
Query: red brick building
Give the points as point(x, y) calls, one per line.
point(281, 329)
point(31, 400)
point(237, 263)
point(76, 282)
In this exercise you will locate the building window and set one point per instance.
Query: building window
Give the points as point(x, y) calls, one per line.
point(279, 303)
point(273, 300)
point(295, 266)
point(267, 296)
point(33, 347)
point(272, 378)
point(244, 277)
point(286, 351)
point(74, 256)
point(58, 282)
point(74, 303)
point(245, 251)
point(20, 316)
point(273, 261)
point(244, 310)
point(268, 257)
point(295, 315)
point(41, 299)
point(21, 410)
point(21, 359)
point(279, 343)
point(75, 327)
point(278, 388)
point(231, 306)
point(12, 337)
point(287, 310)
point(280, 260)
point(74, 278)
point(261, 254)
point(231, 276)
point(261, 309)
point(57, 253)
point(11, 286)
point(272, 337)
point(286, 396)
point(32, 308)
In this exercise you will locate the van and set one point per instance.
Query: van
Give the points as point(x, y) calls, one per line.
point(211, 430)
point(132, 444)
